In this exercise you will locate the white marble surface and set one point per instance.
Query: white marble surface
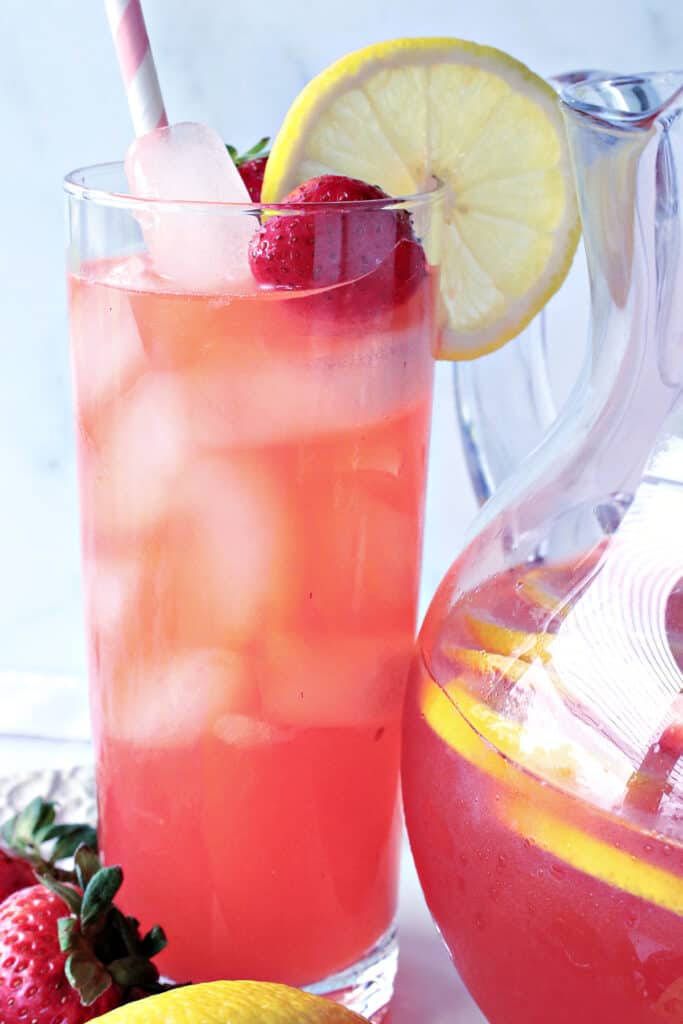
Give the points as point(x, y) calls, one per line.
point(237, 65)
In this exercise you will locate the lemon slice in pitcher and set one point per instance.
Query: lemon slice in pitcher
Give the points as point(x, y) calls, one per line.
point(403, 114)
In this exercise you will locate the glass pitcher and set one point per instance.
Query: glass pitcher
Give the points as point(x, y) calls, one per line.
point(543, 760)
point(506, 401)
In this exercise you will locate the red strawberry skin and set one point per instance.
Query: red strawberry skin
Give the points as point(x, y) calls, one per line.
point(33, 986)
point(375, 248)
point(14, 874)
point(252, 172)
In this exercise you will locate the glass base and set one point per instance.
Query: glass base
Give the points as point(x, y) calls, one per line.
point(368, 985)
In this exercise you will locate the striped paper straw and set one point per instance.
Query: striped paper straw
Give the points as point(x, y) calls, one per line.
point(128, 29)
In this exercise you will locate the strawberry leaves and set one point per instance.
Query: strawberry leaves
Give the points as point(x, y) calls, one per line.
point(103, 946)
point(259, 149)
point(86, 974)
point(86, 865)
point(28, 831)
point(99, 894)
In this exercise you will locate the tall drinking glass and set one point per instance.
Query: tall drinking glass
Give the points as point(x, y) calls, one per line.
point(252, 471)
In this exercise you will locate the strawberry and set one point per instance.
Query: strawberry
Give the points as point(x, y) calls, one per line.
point(15, 873)
point(252, 167)
point(375, 248)
point(67, 953)
point(252, 172)
point(33, 982)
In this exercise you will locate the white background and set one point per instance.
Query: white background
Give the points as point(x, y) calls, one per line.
point(236, 65)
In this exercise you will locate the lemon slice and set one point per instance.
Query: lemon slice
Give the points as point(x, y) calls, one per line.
point(494, 744)
point(593, 856)
point(404, 113)
point(490, 742)
point(511, 643)
point(463, 723)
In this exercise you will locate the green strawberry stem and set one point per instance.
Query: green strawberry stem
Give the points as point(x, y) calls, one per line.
point(258, 149)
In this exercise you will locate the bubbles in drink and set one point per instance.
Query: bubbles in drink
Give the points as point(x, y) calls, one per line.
point(198, 248)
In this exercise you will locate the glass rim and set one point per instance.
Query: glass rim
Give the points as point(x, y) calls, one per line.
point(574, 98)
point(122, 200)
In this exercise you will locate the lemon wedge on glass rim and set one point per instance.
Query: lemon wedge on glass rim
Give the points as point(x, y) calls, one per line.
point(405, 113)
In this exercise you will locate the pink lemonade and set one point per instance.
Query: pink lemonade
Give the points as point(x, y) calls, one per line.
point(252, 479)
point(559, 898)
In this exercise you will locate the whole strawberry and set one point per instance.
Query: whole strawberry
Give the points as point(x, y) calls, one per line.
point(252, 167)
point(33, 982)
point(15, 873)
point(67, 953)
point(373, 249)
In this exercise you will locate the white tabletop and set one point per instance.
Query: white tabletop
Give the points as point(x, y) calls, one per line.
point(46, 727)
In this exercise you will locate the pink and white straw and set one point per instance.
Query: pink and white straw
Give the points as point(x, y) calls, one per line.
point(128, 28)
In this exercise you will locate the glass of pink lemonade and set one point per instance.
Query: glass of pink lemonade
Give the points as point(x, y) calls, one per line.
point(252, 473)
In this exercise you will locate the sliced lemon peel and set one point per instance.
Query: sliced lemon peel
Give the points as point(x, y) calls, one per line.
point(401, 114)
point(488, 741)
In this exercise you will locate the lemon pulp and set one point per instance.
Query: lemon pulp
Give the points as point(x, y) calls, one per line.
point(405, 113)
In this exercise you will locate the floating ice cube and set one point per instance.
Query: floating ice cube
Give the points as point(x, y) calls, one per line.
point(248, 731)
point(233, 565)
point(180, 700)
point(264, 395)
point(112, 584)
point(138, 465)
point(369, 524)
point(334, 680)
point(201, 248)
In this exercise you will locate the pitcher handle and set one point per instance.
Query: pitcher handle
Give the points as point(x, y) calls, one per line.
point(504, 401)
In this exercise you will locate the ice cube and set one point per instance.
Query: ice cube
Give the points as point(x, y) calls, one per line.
point(200, 248)
point(334, 680)
point(267, 397)
point(176, 702)
point(112, 586)
point(363, 536)
point(185, 161)
point(136, 468)
point(232, 564)
point(259, 398)
point(248, 731)
point(106, 347)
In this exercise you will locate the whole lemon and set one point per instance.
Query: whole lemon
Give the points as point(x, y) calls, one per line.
point(232, 1002)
